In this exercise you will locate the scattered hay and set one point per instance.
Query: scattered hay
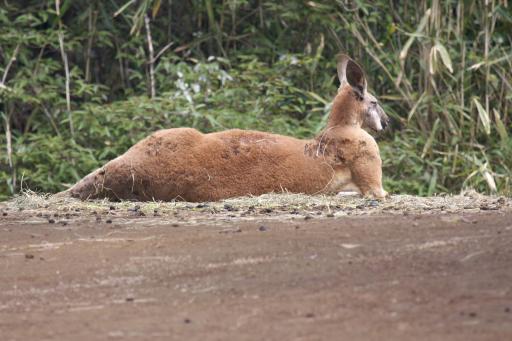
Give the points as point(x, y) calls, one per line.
point(268, 206)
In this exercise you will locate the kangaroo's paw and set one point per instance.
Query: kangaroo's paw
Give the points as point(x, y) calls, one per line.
point(379, 194)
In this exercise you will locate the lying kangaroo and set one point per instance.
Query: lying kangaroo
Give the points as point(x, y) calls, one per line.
point(184, 164)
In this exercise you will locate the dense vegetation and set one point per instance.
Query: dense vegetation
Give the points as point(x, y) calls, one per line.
point(81, 81)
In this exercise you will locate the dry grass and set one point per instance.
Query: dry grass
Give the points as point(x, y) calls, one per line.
point(268, 206)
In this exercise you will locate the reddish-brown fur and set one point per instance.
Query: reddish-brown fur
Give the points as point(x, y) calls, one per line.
point(184, 164)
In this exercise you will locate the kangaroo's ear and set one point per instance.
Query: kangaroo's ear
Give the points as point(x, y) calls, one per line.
point(350, 72)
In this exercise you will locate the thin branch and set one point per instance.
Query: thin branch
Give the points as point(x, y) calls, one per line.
point(151, 60)
point(8, 137)
point(165, 48)
point(93, 16)
point(66, 68)
point(11, 61)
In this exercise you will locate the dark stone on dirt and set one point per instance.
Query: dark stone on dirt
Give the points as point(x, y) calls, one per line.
point(108, 221)
point(308, 217)
point(310, 315)
point(51, 221)
point(373, 203)
point(4, 214)
point(63, 223)
point(112, 208)
point(175, 225)
point(472, 314)
point(251, 208)
point(187, 321)
point(507, 310)
point(130, 299)
point(229, 207)
point(266, 210)
point(29, 256)
point(98, 219)
point(201, 205)
point(297, 227)
point(262, 228)
point(330, 215)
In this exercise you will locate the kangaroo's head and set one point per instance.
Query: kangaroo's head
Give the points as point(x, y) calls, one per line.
point(354, 105)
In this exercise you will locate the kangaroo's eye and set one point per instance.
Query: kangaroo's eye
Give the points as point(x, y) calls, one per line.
point(373, 103)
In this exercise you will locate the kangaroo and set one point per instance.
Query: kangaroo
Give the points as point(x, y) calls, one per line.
point(184, 164)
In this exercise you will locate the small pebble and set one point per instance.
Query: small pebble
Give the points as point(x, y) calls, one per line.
point(310, 315)
point(373, 203)
point(330, 215)
point(130, 299)
point(4, 213)
point(51, 221)
point(308, 217)
point(29, 256)
point(262, 228)
point(472, 314)
point(187, 320)
point(507, 309)
point(112, 208)
point(108, 221)
point(229, 207)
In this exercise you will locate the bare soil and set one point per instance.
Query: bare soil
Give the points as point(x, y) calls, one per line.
point(266, 268)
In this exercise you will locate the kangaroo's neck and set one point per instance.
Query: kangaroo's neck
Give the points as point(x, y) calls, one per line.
point(345, 110)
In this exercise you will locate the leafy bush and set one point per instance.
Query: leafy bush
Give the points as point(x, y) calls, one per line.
point(441, 69)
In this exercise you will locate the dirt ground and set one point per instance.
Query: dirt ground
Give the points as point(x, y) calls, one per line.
point(267, 268)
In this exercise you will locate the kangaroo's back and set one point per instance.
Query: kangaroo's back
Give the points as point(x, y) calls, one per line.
point(184, 164)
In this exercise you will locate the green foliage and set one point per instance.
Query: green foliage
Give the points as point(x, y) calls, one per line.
point(442, 70)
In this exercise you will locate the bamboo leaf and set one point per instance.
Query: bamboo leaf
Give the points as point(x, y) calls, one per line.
point(421, 26)
point(500, 127)
point(483, 115)
point(445, 56)
point(156, 8)
point(430, 139)
point(125, 6)
point(486, 173)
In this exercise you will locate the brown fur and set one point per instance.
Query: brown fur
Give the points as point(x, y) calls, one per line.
point(184, 164)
